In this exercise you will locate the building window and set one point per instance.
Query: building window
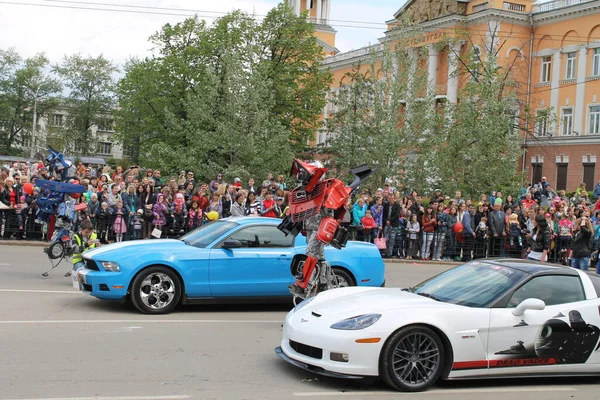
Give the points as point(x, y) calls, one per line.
point(596, 62)
point(561, 176)
point(566, 122)
point(546, 65)
point(104, 148)
point(106, 126)
point(541, 123)
point(595, 119)
point(570, 68)
point(536, 173)
point(58, 120)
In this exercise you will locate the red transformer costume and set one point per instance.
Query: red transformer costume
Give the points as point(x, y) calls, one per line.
point(316, 208)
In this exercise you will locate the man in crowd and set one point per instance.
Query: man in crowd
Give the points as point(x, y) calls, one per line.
point(497, 221)
point(468, 222)
point(391, 223)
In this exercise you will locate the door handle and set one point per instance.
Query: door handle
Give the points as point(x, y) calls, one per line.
point(284, 257)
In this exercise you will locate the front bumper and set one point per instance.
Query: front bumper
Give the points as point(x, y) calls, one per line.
point(314, 345)
point(312, 368)
point(102, 284)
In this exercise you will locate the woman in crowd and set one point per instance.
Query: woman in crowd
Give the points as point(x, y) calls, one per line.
point(358, 212)
point(539, 239)
point(238, 209)
point(215, 204)
point(428, 224)
point(582, 244)
point(252, 205)
point(195, 215)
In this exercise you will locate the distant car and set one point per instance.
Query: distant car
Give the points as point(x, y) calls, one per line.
point(483, 319)
point(242, 259)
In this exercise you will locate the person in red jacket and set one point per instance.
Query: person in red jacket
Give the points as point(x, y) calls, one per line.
point(268, 205)
point(428, 224)
point(368, 223)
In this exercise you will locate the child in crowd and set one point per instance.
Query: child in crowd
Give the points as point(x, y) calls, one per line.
point(138, 223)
point(481, 236)
point(103, 218)
point(514, 231)
point(368, 224)
point(413, 228)
point(21, 211)
point(120, 224)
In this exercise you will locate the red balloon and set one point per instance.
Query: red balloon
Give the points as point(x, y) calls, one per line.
point(28, 188)
point(75, 195)
point(458, 227)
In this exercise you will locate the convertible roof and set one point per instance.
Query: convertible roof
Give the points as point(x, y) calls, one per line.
point(532, 267)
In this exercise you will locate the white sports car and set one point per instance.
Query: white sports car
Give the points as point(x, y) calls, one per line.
point(486, 318)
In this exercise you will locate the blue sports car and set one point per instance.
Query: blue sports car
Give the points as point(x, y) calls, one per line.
point(241, 259)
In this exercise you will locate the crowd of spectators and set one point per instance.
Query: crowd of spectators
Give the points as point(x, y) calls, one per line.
point(136, 203)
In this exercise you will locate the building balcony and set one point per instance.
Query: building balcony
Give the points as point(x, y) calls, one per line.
point(513, 6)
point(556, 4)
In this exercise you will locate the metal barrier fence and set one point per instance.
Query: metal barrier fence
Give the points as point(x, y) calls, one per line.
point(450, 246)
point(27, 227)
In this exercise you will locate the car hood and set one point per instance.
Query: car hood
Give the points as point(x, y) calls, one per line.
point(131, 248)
point(352, 301)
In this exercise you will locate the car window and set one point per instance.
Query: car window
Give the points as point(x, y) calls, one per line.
point(596, 282)
point(475, 284)
point(263, 236)
point(208, 233)
point(552, 289)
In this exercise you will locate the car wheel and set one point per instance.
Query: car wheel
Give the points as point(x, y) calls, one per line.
point(156, 290)
point(412, 359)
point(344, 279)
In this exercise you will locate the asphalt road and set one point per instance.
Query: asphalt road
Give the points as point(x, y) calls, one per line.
point(56, 343)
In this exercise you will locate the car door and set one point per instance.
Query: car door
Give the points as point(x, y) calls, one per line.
point(557, 335)
point(261, 267)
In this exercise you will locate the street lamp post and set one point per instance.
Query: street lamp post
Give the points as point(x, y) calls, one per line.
point(34, 126)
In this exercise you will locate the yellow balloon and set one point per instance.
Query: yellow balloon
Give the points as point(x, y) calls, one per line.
point(212, 215)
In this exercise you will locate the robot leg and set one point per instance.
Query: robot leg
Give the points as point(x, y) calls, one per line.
point(307, 270)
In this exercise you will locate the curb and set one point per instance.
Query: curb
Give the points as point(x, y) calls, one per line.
point(24, 243)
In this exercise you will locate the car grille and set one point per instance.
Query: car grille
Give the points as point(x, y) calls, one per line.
point(91, 264)
point(309, 351)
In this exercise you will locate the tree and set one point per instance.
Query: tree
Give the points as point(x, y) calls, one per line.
point(480, 144)
point(220, 97)
point(24, 87)
point(91, 100)
point(377, 121)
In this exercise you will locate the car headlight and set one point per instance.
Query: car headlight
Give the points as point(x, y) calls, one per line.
point(303, 303)
point(357, 323)
point(110, 266)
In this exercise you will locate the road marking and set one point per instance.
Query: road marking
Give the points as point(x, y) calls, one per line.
point(441, 391)
point(4, 264)
point(39, 291)
point(172, 397)
point(143, 321)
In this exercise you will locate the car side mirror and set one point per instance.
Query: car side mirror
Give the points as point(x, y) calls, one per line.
point(528, 304)
point(231, 244)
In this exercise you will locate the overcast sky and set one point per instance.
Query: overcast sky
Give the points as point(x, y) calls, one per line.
point(119, 35)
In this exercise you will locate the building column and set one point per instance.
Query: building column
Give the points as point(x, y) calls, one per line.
point(452, 90)
point(319, 11)
point(579, 114)
point(297, 7)
point(326, 11)
point(432, 70)
point(554, 87)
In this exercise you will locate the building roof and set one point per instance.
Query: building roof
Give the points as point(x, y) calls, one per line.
point(16, 159)
point(88, 160)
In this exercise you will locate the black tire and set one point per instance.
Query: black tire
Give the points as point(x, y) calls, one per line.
point(56, 250)
point(412, 359)
point(156, 290)
point(343, 277)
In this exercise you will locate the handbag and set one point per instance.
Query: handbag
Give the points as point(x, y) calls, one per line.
point(156, 233)
point(380, 242)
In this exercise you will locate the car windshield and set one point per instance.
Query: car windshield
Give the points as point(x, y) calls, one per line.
point(476, 284)
point(206, 234)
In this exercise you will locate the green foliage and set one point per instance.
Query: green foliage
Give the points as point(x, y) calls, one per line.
point(91, 99)
point(237, 97)
point(23, 83)
point(479, 147)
